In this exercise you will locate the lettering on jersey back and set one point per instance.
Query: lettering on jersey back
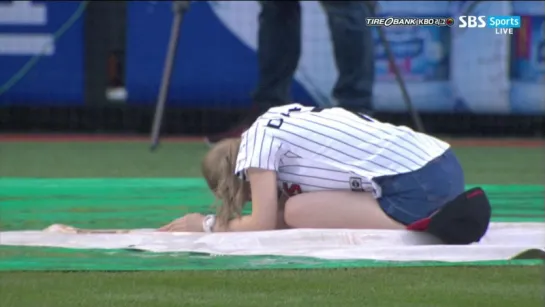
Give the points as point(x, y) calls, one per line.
point(290, 154)
point(291, 189)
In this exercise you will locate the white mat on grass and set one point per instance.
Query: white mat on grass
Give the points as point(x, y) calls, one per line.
point(502, 242)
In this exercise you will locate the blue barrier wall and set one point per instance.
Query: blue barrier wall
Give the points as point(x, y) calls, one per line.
point(57, 78)
point(217, 62)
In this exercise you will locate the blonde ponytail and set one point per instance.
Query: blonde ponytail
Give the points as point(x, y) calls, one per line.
point(218, 168)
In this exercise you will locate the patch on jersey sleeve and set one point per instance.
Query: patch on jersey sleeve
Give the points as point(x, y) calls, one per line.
point(356, 184)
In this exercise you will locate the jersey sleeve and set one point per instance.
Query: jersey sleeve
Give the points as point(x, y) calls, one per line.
point(259, 148)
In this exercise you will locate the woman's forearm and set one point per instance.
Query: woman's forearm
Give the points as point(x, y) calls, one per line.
point(249, 223)
point(244, 223)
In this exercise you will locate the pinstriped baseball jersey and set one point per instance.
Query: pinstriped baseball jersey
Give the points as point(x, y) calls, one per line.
point(314, 149)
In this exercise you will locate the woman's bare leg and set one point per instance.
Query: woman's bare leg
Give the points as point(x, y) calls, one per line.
point(337, 209)
point(280, 222)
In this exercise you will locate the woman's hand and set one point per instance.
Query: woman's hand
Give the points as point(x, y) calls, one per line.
point(188, 223)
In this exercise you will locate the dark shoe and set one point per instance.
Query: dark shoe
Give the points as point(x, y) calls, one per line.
point(464, 220)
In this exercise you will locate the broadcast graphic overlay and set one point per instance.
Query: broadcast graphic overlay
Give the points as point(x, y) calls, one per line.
point(502, 25)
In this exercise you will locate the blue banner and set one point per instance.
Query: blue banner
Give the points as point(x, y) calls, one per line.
point(452, 70)
point(27, 33)
point(449, 69)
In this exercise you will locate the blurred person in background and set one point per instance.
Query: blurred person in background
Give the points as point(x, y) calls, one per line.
point(279, 49)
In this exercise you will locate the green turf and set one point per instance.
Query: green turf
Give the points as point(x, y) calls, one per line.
point(149, 202)
point(483, 165)
point(405, 287)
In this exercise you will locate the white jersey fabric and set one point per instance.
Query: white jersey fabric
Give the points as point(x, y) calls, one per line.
point(314, 149)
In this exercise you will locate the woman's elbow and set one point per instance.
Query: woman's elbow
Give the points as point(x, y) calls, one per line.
point(264, 225)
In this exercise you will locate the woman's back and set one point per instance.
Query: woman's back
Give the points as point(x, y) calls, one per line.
point(336, 138)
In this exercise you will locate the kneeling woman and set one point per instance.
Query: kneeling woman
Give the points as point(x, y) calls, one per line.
point(306, 167)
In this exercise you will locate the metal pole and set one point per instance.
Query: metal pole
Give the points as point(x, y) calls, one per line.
point(399, 78)
point(179, 9)
point(402, 86)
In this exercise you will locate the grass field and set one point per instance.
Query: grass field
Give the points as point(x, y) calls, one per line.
point(377, 287)
point(385, 286)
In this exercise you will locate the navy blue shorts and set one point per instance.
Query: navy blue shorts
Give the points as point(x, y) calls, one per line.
point(412, 196)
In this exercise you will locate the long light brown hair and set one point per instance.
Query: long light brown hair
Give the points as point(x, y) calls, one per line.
point(218, 168)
